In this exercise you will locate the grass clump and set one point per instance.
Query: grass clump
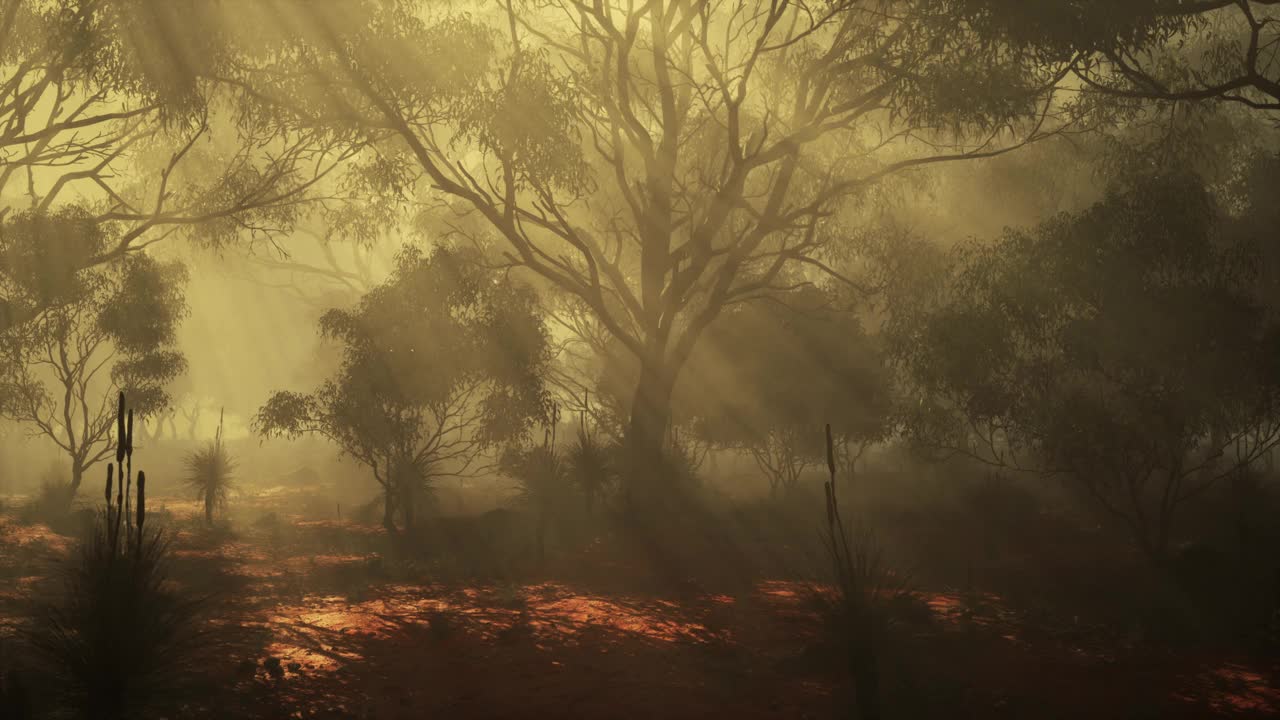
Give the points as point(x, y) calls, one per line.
point(121, 639)
point(210, 472)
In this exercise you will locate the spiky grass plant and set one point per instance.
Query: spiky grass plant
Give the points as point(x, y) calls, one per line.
point(859, 616)
point(590, 467)
point(542, 486)
point(120, 637)
point(210, 474)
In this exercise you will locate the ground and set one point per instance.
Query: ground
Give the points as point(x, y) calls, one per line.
point(310, 621)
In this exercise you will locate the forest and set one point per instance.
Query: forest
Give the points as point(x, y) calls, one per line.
point(858, 359)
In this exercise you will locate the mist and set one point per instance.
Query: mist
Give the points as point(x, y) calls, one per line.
point(559, 358)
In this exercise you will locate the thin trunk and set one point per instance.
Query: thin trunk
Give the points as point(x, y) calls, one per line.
point(208, 506)
point(77, 476)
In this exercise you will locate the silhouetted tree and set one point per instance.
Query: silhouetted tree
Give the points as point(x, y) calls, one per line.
point(1162, 50)
point(439, 363)
point(770, 374)
point(112, 113)
point(114, 329)
point(1127, 347)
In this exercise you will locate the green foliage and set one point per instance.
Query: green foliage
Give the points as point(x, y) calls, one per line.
point(115, 329)
point(1127, 346)
point(820, 366)
point(120, 638)
point(439, 363)
point(590, 466)
point(542, 476)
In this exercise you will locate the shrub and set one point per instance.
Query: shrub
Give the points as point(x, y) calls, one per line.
point(210, 473)
point(590, 467)
point(120, 639)
point(51, 503)
point(543, 485)
point(866, 592)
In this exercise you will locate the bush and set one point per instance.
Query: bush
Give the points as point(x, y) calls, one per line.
point(119, 639)
point(590, 467)
point(543, 485)
point(861, 612)
point(51, 504)
point(209, 474)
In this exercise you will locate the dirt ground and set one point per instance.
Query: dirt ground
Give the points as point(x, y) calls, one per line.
point(307, 621)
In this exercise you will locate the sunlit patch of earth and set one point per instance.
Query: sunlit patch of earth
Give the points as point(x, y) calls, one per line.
point(1233, 688)
point(315, 632)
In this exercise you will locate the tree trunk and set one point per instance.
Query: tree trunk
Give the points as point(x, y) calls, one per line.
point(650, 417)
point(541, 540)
point(77, 476)
point(389, 510)
point(208, 507)
point(406, 500)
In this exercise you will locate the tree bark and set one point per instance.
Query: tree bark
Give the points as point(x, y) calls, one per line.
point(647, 429)
point(389, 510)
point(77, 476)
point(407, 501)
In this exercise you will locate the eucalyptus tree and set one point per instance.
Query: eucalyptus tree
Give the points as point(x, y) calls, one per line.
point(1130, 348)
point(115, 332)
point(112, 109)
point(770, 375)
point(1150, 50)
point(657, 161)
point(439, 364)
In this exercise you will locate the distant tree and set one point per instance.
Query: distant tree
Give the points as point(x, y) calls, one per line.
point(773, 372)
point(661, 161)
point(1127, 347)
point(439, 363)
point(113, 329)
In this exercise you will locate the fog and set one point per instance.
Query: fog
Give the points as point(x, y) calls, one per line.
point(572, 358)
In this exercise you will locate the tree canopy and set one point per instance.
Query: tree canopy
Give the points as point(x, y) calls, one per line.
point(1127, 346)
point(439, 363)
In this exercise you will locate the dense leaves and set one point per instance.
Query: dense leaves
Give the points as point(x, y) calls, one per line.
point(438, 363)
point(113, 328)
point(1126, 346)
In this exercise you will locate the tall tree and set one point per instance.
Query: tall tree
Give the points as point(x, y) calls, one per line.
point(660, 160)
point(439, 363)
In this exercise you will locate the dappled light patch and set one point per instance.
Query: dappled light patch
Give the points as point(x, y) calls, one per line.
point(331, 561)
point(345, 526)
point(34, 536)
point(1233, 688)
point(180, 508)
point(551, 613)
point(785, 590)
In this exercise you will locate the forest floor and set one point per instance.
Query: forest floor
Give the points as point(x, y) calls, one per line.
point(355, 640)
